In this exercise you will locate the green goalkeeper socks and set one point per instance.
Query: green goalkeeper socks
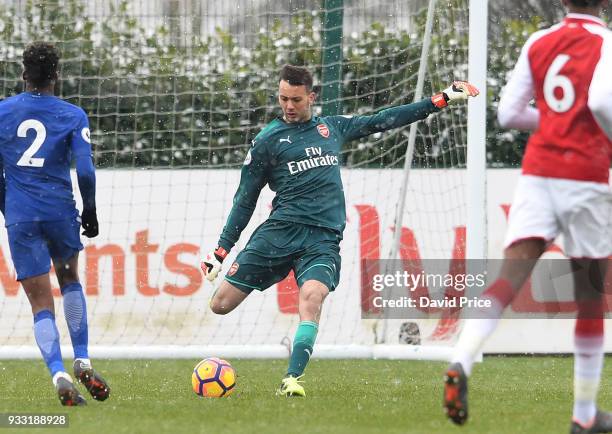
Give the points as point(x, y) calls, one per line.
point(305, 337)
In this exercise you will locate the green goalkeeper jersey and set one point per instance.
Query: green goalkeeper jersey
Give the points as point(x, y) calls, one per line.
point(301, 164)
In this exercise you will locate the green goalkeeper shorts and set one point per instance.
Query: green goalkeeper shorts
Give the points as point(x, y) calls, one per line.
point(277, 247)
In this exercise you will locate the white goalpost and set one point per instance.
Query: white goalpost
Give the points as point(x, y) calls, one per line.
point(476, 243)
point(171, 125)
point(475, 164)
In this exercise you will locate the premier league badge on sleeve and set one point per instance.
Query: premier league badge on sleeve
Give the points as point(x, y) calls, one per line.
point(323, 130)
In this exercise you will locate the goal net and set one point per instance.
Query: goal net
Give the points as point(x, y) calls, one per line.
point(175, 90)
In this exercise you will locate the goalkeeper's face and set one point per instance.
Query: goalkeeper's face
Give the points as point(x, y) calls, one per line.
point(295, 101)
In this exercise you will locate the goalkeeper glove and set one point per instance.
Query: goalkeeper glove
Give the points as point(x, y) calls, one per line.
point(89, 221)
point(211, 264)
point(458, 91)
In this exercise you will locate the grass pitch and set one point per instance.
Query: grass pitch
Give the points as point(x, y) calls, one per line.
point(507, 395)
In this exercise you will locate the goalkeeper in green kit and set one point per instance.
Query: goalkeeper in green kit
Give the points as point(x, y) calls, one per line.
point(298, 156)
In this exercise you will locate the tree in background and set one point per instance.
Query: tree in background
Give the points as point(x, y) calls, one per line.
point(153, 103)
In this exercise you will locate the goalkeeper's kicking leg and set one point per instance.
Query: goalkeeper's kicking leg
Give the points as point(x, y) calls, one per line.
point(312, 294)
point(75, 313)
point(226, 298)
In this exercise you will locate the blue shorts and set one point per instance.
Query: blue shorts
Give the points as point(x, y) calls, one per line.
point(34, 244)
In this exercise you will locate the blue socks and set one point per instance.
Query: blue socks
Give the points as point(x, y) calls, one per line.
point(305, 337)
point(47, 338)
point(75, 311)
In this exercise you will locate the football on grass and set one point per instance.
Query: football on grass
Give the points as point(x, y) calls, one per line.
point(213, 378)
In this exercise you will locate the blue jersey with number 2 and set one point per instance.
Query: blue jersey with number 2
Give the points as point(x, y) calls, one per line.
point(39, 137)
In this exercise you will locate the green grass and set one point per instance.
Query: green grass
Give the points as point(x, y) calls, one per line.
point(507, 395)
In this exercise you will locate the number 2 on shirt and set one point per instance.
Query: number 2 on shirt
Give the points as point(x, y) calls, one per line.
point(27, 159)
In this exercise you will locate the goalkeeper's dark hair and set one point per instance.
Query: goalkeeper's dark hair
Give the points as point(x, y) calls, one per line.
point(297, 76)
point(586, 3)
point(40, 62)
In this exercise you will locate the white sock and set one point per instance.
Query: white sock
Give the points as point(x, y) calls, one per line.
point(474, 334)
point(85, 362)
point(59, 375)
point(588, 363)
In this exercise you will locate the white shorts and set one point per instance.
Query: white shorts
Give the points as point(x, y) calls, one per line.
point(581, 211)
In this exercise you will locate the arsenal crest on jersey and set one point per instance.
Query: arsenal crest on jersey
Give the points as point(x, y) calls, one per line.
point(323, 130)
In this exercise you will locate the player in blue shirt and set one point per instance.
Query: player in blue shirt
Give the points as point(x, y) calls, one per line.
point(40, 135)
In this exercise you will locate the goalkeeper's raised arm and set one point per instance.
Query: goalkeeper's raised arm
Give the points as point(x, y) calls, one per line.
point(355, 127)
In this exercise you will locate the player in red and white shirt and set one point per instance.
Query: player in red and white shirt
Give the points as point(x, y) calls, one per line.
point(563, 189)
